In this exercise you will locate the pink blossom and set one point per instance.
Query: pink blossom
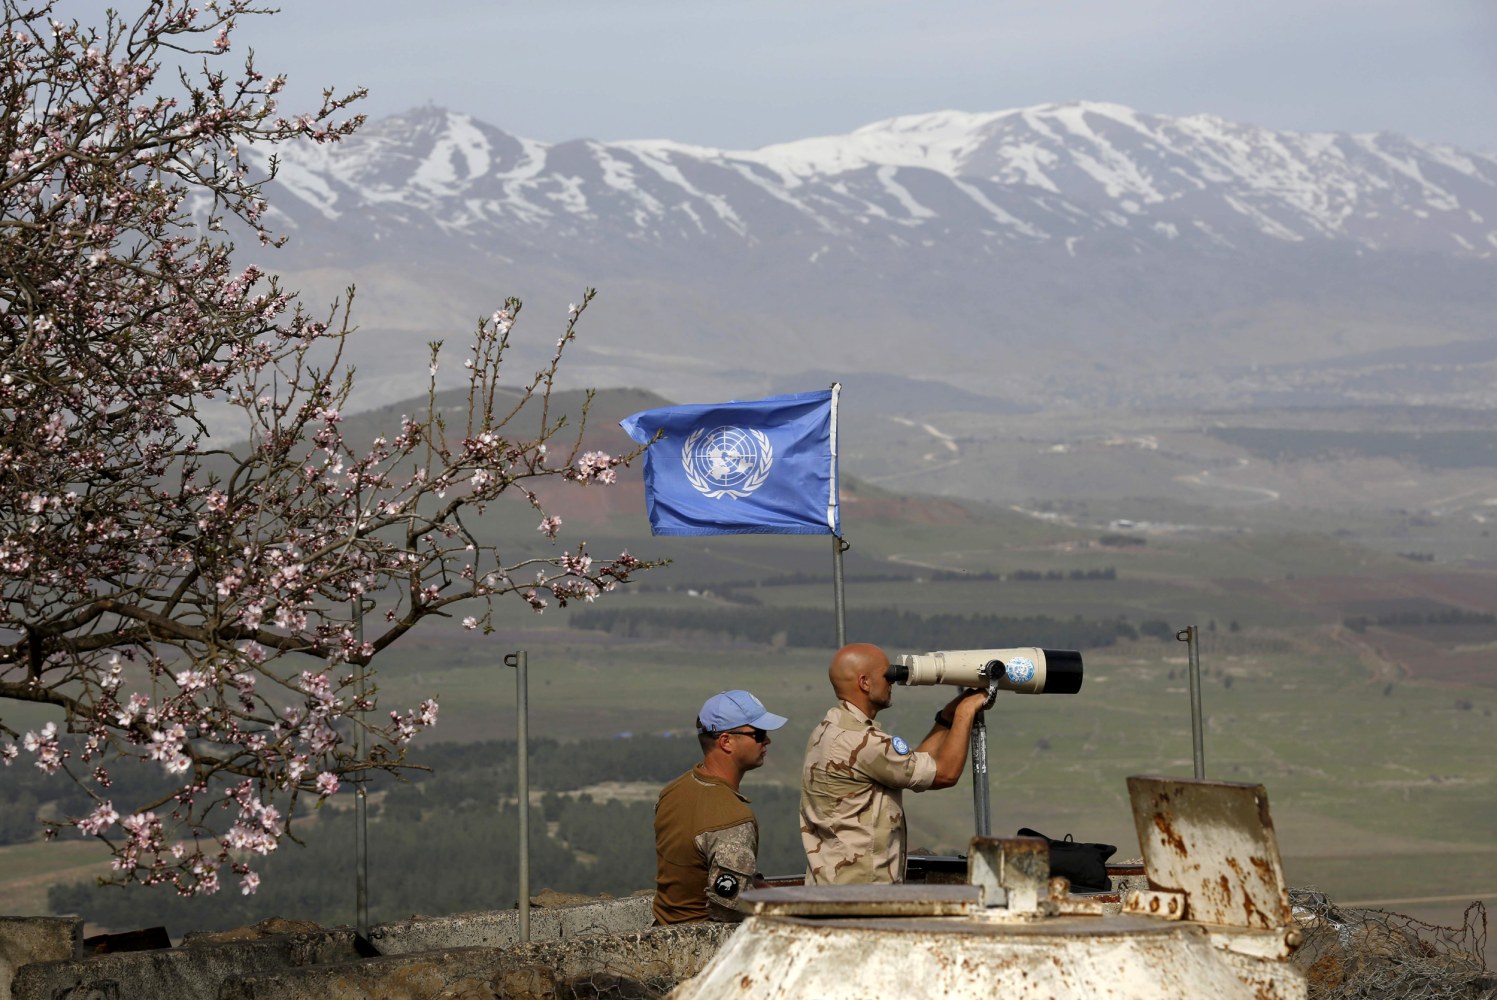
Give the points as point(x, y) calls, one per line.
point(99, 820)
point(49, 754)
point(596, 466)
point(134, 708)
point(192, 680)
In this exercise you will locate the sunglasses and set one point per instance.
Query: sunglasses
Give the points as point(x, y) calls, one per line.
point(759, 735)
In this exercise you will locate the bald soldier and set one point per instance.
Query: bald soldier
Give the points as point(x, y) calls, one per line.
point(706, 837)
point(851, 809)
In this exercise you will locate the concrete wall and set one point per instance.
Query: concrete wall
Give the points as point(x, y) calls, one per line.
point(24, 940)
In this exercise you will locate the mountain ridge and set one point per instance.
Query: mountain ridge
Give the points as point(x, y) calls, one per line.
point(1080, 254)
point(1036, 174)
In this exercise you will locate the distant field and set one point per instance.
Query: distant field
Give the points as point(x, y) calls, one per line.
point(1374, 743)
point(1312, 724)
point(26, 870)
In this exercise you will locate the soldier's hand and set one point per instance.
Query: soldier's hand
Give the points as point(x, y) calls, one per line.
point(970, 700)
point(957, 700)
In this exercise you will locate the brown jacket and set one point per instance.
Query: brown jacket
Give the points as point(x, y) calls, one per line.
point(706, 849)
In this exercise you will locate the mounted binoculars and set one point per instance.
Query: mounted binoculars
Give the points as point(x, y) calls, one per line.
point(1023, 669)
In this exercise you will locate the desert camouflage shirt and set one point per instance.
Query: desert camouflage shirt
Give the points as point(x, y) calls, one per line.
point(851, 814)
point(706, 850)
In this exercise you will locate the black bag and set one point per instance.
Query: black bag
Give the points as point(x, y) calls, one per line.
point(1084, 864)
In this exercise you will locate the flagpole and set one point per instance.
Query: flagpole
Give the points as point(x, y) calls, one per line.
point(838, 598)
point(839, 546)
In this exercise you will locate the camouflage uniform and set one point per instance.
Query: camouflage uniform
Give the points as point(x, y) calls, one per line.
point(706, 849)
point(851, 815)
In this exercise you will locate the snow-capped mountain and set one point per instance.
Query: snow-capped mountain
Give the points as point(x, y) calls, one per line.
point(1017, 253)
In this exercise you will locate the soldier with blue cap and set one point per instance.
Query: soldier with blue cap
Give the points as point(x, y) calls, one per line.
point(706, 837)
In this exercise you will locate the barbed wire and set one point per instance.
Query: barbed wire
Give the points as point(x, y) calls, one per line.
point(1365, 954)
point(643, 965)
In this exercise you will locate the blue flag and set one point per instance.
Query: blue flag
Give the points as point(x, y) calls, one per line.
point(764, 466)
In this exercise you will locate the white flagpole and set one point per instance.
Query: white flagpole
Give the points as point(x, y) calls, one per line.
point(839, 601)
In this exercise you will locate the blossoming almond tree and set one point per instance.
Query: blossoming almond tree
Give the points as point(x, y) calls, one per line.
point(182, 603)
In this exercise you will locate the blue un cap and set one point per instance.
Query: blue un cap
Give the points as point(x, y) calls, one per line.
point(732, 709)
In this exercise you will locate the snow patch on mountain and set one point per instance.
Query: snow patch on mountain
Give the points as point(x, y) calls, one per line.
point(1051, 173)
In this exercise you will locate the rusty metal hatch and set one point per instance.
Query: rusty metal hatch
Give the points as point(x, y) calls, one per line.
point(1210, 852)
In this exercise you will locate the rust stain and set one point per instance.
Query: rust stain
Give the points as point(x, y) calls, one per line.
point(1172, 838)
point(1250, 912)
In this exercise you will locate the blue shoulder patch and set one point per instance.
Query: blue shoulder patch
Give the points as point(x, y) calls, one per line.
point(900, 746)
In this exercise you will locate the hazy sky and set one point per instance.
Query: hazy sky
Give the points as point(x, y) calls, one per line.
point(744, 74)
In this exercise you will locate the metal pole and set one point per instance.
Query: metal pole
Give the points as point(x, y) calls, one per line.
point(520, 661)
point(834, 506)
point(839, 599)
point(1191, 635)
point(360, 794)
point(980, 806)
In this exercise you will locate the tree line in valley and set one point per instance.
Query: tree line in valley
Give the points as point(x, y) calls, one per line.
point(1415, 617)
point(741, 591)
point(886, 626)
point(1432, 449)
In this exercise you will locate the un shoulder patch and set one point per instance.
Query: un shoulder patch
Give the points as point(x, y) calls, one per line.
point(726, 886)
point(900, 746)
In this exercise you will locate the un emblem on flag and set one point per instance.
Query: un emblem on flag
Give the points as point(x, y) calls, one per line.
point(727, 461)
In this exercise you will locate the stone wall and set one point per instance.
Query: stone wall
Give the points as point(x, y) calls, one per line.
point(645, 963)
point(24, 940)
point(592, 948)
point(194, 970)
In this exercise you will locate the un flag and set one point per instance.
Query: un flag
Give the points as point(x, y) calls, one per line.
point(762, 466)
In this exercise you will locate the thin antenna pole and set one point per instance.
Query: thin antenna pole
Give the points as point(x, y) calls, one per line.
point(361, 795)
point(1191, 635)
point(520, 661)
